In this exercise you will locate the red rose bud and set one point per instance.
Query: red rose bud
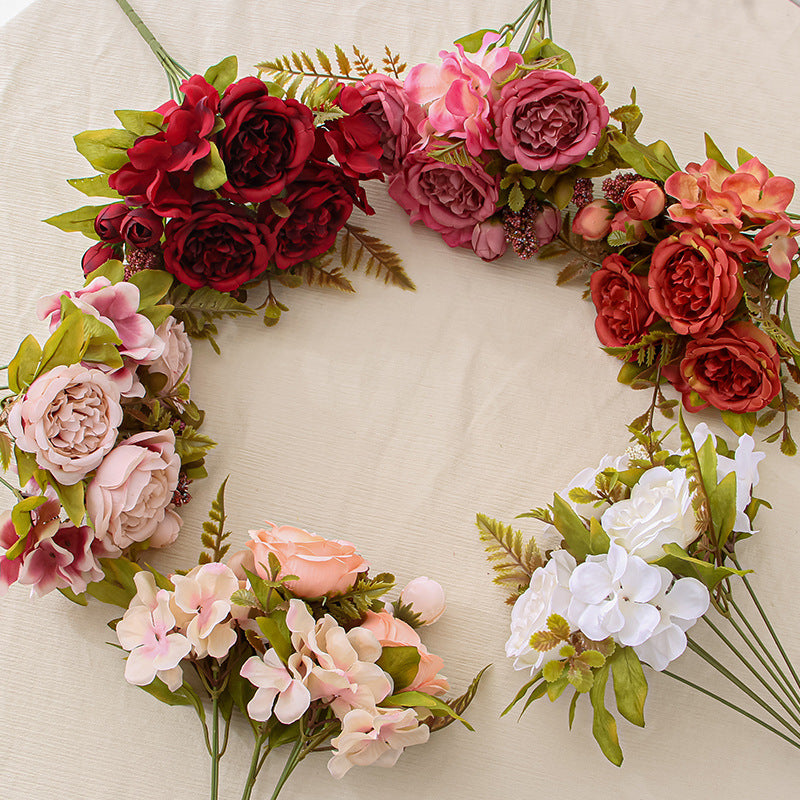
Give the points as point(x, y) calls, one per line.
point(142, 228)
point(643, 200)
point(108, 221)
point(98, 254)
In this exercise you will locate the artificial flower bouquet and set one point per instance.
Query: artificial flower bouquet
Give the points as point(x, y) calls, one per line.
point(646, 548)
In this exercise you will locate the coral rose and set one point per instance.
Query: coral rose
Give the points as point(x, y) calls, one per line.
point(694, 283)
point(643, 200)
point(128, 497)
point(323, 566)
point(448, 198)
point(548, 120)
point(68, 419)
point(593, 221)
point(265, 142)
point(623, 313)
point(219, 245)
point(735, 369)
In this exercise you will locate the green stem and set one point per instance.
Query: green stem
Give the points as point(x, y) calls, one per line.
point(11, 488)
point(215, 754)
point(294, 759)
point(255, 765)
point(732, 706)
point(777, 674)
point(753, 671)
point(175, 72)
point(725, 672)
point(767, 622)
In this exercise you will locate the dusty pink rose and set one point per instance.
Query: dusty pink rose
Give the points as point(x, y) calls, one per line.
point(548, 119)
point(176, 359)
point(694, 283)
point(323, 566)
point(643, 200)
point(426, 598)
point(448, 198)
point(633, 228)
point(115, 305)
point(128, 498)
point(393, 632)
point(593, 221)
point(68, 419)
point(489, 239)
point(457, 92)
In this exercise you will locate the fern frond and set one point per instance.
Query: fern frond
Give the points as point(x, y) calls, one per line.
point(355, 243)
point(459, 704)
point(352, 606)
point(315, 274)
point(364, 65)
point(214, 533)
point(392, 65)
point(512, 559)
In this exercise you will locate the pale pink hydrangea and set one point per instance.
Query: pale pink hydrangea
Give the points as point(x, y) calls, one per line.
point(279, 685)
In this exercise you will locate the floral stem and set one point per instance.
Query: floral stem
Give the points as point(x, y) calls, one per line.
point(295, 757)
point(256, 762)
point(753, 671)
point(725, 672)
point(732, 706)
point(215, 754)
point(777, 674)
point(175, 72)
point(766, 621)
point(11, 488)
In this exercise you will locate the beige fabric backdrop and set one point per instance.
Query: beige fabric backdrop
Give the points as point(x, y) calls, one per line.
point(387, 418)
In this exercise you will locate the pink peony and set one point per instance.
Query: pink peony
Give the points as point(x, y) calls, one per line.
point(593, 221)
point(128, 498)
point(174, 362)
point(643, 200)
point(548, 119)
point(323, 566)
point(448, 198)
point(489, 239)
point(68, 419)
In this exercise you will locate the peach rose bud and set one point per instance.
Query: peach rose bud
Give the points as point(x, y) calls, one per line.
point(644, 200)
point(426, 598)
point(593, 222)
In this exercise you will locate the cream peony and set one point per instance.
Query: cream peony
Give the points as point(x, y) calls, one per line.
point(658, 512)
point(68, 420)
point(128, 497)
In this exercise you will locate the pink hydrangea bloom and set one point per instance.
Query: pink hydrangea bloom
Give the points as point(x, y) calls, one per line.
point(279, 684)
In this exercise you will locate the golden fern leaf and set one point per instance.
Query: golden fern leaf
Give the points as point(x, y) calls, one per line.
point(391, 63)
point(316, 274)
point(364, 65)
point(382, 260)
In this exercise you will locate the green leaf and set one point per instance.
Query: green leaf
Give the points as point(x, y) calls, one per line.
point(21, 519)
point(80, 220)
point(78, 599)
point(141, 123)
point(26, 465)
point(722, 500)
point(64, 345)
point(559, 626)
point(402, 663)
point(6, 450)
point(740, 423)
point(157, 314)
point(579, 541)
point(277, 633)
point(707, 460)
point(222, 75)
point(472, 41)
point(742, 156)
point(630, 684)
point(209, 173)
point(572, 705)
point(593, 658)
point(580, 675)
point(106, 150)
point(653, 161)
point(420, 699)
point(516, 199)
point(712, 151)
point(152, 284)
point(159, 690)
point(72, 499)
point(113, 269)
point(554, 690)
point(107, 592)
point(679, 562)
point(604, 727)
point(553, 670)
point(22, 368)
point(95, 186)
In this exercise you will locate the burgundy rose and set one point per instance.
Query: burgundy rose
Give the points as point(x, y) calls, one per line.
point(735, 369)
point(379, 129)
point(219, 245)
point(265, 143)
point(623, 313)
point(320, 201)
point(448, 198)
point(548, 119)
point(108, 221)
point(693, 283)
point(142, 227)
point(168, 194)
point(98, 254)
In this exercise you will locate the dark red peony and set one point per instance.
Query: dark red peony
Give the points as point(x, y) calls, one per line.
point(735, 369)
point(219, 244)
point(265, 143)
point(623, 313)
point(320, 201)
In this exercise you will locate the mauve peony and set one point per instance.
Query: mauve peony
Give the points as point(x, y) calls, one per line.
point(128, 497)
point(448, 198)
point(735, 369)
point(176, 359)
point(593, 221)
point(643, 200)
point(623, 312)
point(426, 598)
point(68, 419)
point(694, 283)
point(548, 119)
point(323, 566)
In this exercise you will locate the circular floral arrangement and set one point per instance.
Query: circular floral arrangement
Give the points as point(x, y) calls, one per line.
point(241, 185)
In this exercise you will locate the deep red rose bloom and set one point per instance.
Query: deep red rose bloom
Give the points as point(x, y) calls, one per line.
point(108, 221)
point(168, 194)
point(623, 313)
point(141, 227)
point(98, 254)
point(735, 369)
point(265, 143)
point(694, 283)
point(320, 201)
point(220, 245)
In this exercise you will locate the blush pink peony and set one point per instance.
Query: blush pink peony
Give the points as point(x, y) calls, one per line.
point(175, 360)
